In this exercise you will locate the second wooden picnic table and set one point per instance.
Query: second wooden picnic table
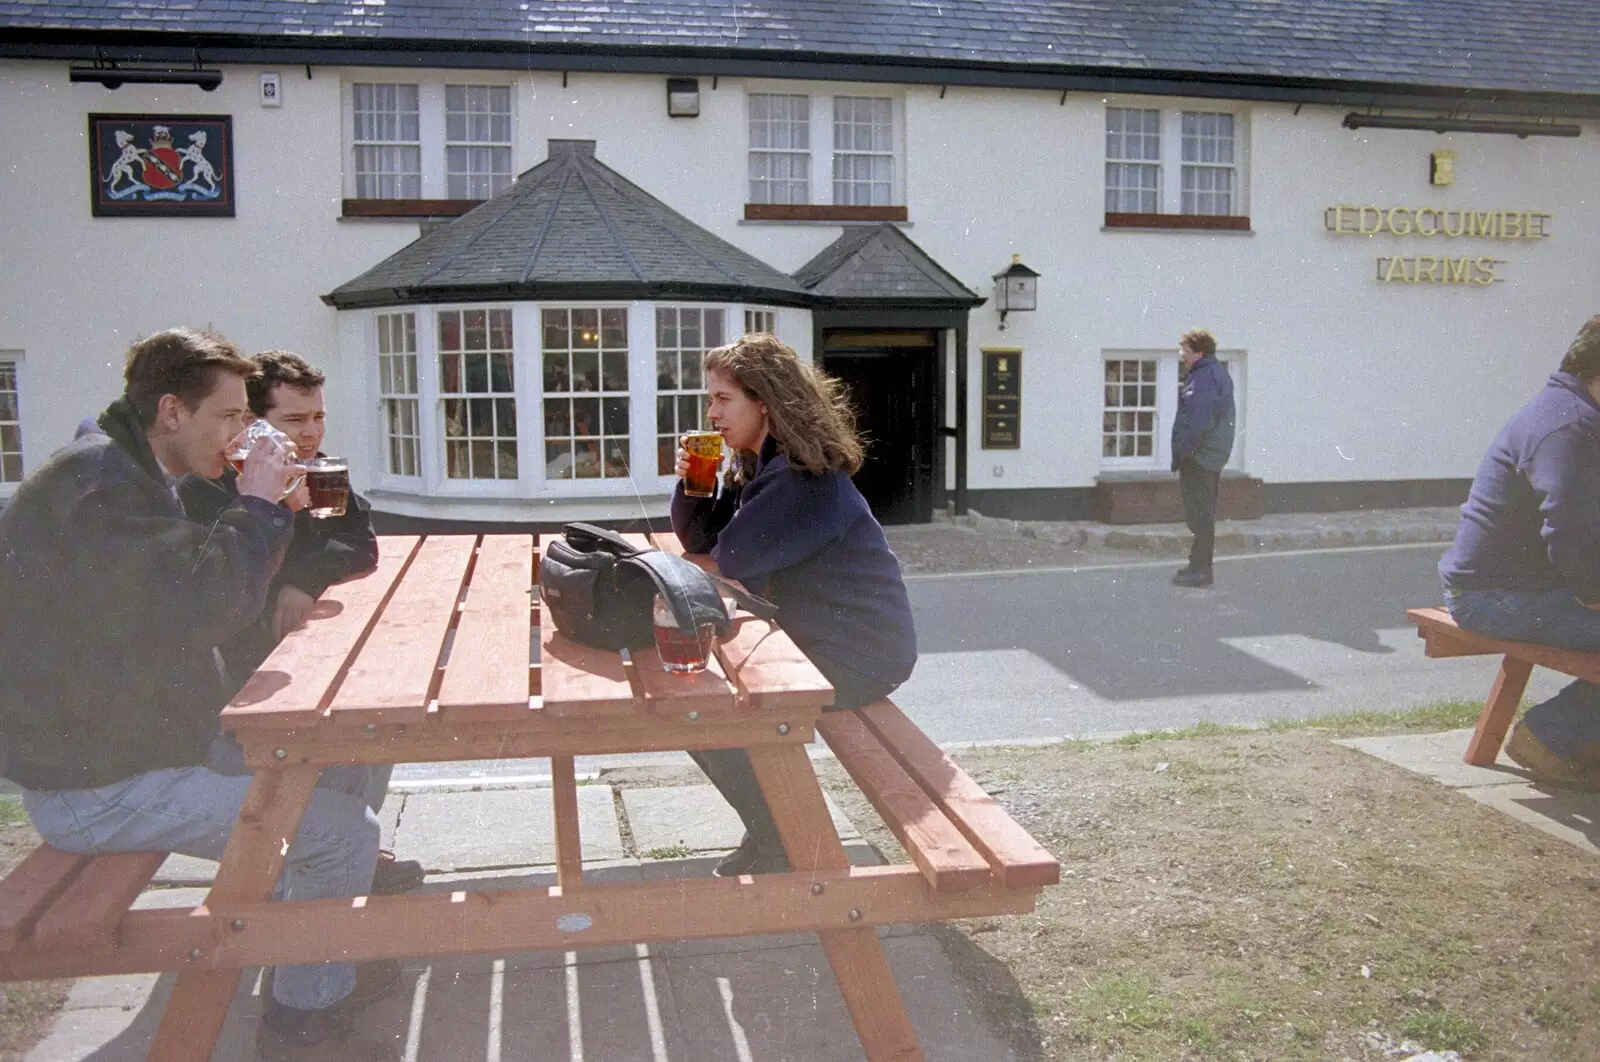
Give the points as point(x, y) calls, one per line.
point(439, 655)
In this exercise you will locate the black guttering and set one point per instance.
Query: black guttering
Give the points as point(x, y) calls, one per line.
point(572, 291)
point(132, 46)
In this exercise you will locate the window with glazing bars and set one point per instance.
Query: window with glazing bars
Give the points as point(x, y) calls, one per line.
point(1208, 163)
point(387, 149)
point(683, 335)
point(1133, 161)
point(477, 388)
point(760, 321)
point(10, 423)
point(477, 140)
point(780, 148)
point(585, 359)
point(1128, 421)
point(863, 151)
point(397, 393)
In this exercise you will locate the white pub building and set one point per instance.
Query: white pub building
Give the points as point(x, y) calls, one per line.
point(508, 230)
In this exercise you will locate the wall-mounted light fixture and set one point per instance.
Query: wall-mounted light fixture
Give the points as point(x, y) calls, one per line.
point(113, 75)
point(1460, 125)
point(1016, 288)
point(683, 97)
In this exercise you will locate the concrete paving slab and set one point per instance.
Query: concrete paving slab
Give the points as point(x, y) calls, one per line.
point(785, 1004)
point(1571, 815)
point(695, 816)
point(1438, 756)
point(185, 870)
point(453, 831)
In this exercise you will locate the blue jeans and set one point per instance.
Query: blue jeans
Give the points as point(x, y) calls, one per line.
point(193, 810)
point(1571, 719)
point(369, 784)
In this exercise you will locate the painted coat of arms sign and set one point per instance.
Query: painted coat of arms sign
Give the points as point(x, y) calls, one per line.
point(153, 166)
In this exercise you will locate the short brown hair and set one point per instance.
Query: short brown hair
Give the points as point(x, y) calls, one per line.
point(1583, 357)
point(1200, 341)
point(274, 367)
point(182, 362)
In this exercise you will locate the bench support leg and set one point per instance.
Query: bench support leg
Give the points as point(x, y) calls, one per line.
point(859, 965)
point(569, 845)
point(247, 874)
point(1496, 717)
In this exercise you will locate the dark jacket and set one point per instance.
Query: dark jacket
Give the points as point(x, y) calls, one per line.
point(113, 604)
point(1532, 518)
point(1203, 428)
point(322, 553)
point(812, 545)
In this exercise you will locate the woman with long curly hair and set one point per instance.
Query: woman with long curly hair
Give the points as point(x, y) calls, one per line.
point(789, 524)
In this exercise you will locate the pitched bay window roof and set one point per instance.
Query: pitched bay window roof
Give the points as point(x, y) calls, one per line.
point(571, 228)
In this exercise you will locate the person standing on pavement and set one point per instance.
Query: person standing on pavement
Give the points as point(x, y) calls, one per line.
point(287, 392)
point(1525, 564)
point(791, 526)
point(110, 687)
point(1202, 442)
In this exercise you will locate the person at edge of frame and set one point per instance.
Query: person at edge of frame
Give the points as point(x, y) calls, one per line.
point(287, 392)
point(1202, 442)
point(110, 682)
point(790, 525)
point(1525, 564)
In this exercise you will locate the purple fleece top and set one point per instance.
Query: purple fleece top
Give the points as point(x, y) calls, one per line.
point(1532, 520)
point(811, 545)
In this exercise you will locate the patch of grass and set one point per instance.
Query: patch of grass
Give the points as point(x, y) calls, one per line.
point(671, 851)
point(1198, 1034)
point(1128, 1003)
point(1553, 1014)
point(1204, 728)
point(1443, 1030)
point(11, 811)
point(1441, 715)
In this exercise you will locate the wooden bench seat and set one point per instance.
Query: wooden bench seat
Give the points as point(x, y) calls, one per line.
point(55, 901)
point(955, 833)
point(1442, 637)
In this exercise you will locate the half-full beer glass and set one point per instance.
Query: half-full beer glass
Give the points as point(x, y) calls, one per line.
point(705, 454)
point(328, 482)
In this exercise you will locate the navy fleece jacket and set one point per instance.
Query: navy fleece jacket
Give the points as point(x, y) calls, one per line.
point(1532, 519)
point(810, 544)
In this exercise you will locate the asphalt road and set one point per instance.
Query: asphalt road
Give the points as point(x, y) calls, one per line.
point(1045, 654)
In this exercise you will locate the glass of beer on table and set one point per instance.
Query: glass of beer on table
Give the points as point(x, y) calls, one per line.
point(681, 652)
point(328, 481)
point(705, 454)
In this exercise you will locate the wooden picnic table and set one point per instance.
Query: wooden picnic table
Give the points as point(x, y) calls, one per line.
point(439, 655)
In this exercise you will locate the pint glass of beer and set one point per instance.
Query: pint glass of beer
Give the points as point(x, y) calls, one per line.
point(328, 481)
point(705, 454)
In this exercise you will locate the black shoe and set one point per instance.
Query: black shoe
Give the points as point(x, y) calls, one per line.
point(394, 876)
point(752, 857)
point(376, 980)
point(1195, 577)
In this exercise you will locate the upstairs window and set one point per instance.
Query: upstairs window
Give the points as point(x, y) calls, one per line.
point(824, 157)
point(1133, 161)
point(388, 142)
point(863, 151)
point(780, 148)
point(444, 145)
point(1175, 168)
point(1207, 163)
point(477, 140)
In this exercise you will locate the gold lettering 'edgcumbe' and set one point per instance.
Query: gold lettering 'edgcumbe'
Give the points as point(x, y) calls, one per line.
point(1350, 219)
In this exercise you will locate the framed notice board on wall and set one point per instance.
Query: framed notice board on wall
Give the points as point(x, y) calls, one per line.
point(1002, 398)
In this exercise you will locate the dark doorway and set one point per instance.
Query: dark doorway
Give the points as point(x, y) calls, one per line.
point(893, 386)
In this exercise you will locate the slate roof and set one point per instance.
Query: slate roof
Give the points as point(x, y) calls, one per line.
point(1539, 46)
point(879, 264)
point(570, 228)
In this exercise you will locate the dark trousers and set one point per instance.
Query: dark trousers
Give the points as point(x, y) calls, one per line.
point(1200, 487)
point(730, 770)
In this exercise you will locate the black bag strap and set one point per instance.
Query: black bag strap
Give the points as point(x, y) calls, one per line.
point(592, 539)
point(757, 606)
point(688, 590)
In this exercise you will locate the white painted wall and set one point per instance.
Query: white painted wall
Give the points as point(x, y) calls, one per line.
point(1348, 379)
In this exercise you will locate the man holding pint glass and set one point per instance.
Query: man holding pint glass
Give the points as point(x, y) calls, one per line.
point(110, 690)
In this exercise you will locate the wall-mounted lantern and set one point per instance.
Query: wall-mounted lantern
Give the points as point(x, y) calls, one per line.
point(1015, 288)
point(683, 97)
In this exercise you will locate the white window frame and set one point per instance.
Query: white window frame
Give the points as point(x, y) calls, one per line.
point(1169, 185)
point(1163, 422)
point(1125, 159)
point(507, 145)
point(604, 485)
point(430, 125)
point(14, 359)
point(681, 352)
point(1167, 408)
point(386, 475)
point(760, 319)
point(821, 97)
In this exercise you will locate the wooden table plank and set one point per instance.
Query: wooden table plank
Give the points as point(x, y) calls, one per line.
point(294, 685)
point(32, 887)
point(392, 678)
point(580, 680)
point(487, 676)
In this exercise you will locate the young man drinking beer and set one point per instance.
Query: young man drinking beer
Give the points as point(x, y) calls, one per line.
point(286, 391)
point(110, 688)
